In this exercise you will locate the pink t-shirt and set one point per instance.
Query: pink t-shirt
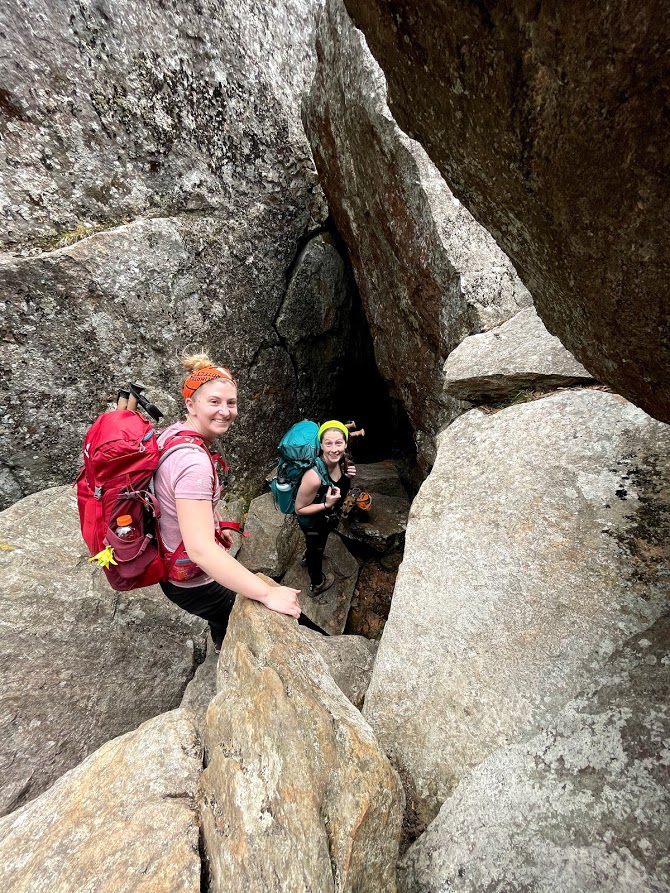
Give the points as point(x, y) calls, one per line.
point(186, 473)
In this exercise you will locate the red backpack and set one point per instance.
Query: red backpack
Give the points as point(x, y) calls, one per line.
point(121, 455)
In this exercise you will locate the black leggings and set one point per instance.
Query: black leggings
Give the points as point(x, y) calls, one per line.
point(211, 601)
point(316, 538)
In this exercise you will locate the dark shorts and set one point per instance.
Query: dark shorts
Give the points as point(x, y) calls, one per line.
point(212, 601)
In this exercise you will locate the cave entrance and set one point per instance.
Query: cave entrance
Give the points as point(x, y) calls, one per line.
point(362, 395)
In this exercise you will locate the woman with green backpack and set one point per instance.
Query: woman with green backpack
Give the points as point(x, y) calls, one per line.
point(317, 504)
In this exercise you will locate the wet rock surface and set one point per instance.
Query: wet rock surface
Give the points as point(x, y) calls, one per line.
point(546, 120)
point(80, 663)
point(123, 821)
point(297, 793)
point(580, 807)
point(428, 274)
point(371, 601)
point(536, 547)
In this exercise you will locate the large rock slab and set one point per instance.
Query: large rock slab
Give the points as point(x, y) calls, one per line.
point(80, 663)
point(536, 547)
point(581, 807)
point(123, 821)
point(156, 185)
point(379, 477)
point(297, 794)
point(117, 111)
point(428, 274)
point(329, 609)
point(547, 120)
point(382, 527)
point(273, 538)
point(349, 658)
point(519, 354)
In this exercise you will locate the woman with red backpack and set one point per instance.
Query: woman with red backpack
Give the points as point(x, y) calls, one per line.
point(205, 581)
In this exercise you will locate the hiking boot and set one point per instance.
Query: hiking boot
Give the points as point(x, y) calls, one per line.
point(326, 583)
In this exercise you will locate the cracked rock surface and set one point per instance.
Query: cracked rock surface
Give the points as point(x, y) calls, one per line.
point(123, 821)
point(80, 663)
point(156, 185)
point(536, 547)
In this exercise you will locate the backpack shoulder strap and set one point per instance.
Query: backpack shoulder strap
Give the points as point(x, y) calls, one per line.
point(189, 439)
point(320, 468)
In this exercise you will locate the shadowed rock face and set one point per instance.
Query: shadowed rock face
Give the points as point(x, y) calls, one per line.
point(518, 355)
point(428, 273)
point(155, 184)
point(546, 120)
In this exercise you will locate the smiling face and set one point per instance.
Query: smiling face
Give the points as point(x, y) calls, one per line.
point(333, 445)
point(213, 408)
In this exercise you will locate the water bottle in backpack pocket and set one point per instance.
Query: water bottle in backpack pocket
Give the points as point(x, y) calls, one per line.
point(125, 529)
point(284, 493)
point(131, 543)
point(120, 457)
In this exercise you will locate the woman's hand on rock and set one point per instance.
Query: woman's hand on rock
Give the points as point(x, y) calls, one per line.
point(283, 600)
point(351, 471)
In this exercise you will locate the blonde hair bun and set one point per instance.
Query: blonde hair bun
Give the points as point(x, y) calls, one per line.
point(196, 361)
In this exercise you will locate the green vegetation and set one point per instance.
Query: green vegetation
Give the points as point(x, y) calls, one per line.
point(62, 240)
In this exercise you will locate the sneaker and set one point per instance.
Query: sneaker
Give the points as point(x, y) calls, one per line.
point(326, 583)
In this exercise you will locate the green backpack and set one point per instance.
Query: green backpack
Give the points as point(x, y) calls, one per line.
point(299, 451)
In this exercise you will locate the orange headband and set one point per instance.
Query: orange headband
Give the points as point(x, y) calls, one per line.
point(202, 376)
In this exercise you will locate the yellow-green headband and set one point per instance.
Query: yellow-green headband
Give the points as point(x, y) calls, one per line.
point(334, 424)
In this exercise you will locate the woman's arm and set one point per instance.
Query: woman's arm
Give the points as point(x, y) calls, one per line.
point(309, 487)
point(197, 529)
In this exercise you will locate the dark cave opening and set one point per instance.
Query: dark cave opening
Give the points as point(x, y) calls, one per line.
point(362, 395)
